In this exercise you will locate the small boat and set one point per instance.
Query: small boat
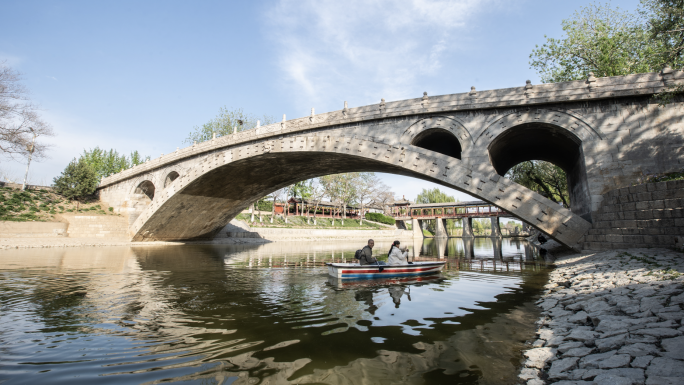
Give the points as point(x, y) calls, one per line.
point(354, 270)
point(382, 281)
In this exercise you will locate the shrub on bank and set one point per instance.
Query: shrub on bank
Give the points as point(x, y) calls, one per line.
point(378, 217)
point(655, 178)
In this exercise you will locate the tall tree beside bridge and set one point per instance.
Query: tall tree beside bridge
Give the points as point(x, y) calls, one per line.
point(20, 121)
point(228, 121)
point(78, 180)
point(544, 178)
point(610, 42)
point(106, 163)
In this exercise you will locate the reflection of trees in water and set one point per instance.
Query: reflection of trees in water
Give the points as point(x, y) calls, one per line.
point(192, 306)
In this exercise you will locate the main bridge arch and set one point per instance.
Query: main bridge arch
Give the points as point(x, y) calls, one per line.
point(204, 198)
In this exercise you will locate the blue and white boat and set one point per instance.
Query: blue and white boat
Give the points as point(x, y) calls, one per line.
point(353, 270)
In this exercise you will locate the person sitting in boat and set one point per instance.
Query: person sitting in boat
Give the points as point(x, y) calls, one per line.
point(367, 255)
point(397, 255)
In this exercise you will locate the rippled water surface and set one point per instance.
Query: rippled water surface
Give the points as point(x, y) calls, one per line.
point(264, 314)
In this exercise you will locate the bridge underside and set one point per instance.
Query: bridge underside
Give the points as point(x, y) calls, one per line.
point(211, 201)
point(203, 200)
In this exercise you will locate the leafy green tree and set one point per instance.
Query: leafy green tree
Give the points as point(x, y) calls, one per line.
point(300, 189)
point(228, 121)
point(612, 42)
point(477, 227)
point(665, 25)
point(666, 29)
point(598, 39)
point(106, 163)
point(77, 181)
point(542, 177)
point(433, 196)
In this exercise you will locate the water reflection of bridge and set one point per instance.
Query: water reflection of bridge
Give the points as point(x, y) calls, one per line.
point(483, 254)
point(441, 212)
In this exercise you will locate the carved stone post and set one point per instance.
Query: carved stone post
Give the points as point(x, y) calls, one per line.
point(467, 227)
point(496, 230)
point(417, 230)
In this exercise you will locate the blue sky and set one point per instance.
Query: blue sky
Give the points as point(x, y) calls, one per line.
point(138, 75)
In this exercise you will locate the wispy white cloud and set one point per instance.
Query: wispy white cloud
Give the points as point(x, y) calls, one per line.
point(361, 50)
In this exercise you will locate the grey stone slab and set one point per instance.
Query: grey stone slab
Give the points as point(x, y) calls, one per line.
point(616, 361)
point(665, 367)
point(582, 335)
point(657, 380)
point(592, 361)
point(638, 349)
point(674, 348)
point(609, 379)
point(567, 345)
point(579, 317)
point(560, 368)
point(658, 332)
point(641, 362)
point(615, 342)
point(578, 352)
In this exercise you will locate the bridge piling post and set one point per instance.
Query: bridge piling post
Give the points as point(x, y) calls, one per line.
point(442, 247)
point(440, 230)
point(417, 229)
point(497, 244)
point(417, 246)
point(467, 227)
point(468, 248)
point(496, 229)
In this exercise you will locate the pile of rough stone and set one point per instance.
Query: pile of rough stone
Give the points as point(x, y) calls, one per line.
point(611, 318)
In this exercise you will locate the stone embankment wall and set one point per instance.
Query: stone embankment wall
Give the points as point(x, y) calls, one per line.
point(72, 226)
point(238, 229)
point(611, 318)
point(646, 215)
point(33, 229)
point(96, 226)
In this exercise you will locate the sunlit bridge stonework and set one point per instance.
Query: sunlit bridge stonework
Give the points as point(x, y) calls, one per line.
point(604, 132)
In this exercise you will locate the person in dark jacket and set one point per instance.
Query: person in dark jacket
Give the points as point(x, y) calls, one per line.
point(367, 255)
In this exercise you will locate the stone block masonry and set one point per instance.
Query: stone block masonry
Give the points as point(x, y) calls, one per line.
point(606, 133)
point(646, 215)
point(33, 230)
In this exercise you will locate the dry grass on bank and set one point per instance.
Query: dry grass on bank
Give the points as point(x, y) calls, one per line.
point(43, 205)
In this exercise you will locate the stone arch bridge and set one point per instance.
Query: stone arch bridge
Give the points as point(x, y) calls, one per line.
point(604, 132)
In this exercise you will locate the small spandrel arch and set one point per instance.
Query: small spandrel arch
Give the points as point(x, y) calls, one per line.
point(439, 140)
point(146, 188)
point(170, 178)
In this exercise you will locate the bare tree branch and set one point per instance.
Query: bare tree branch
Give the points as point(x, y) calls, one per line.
point(19, 118)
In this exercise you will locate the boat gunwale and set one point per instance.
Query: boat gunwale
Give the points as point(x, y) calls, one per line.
point(355, 266)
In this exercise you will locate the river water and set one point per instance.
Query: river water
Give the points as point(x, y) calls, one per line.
point(264, 314)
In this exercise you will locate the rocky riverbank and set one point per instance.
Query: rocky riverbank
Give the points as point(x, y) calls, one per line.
point(613, 317)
